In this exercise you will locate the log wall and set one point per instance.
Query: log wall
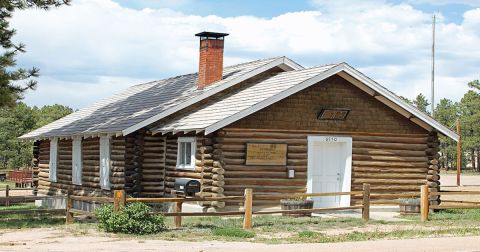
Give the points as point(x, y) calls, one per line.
point(117, 159)
point(90, 172)
point(390, 163)
point(153, 166)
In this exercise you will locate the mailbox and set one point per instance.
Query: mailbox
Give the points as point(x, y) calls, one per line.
point(187, 186)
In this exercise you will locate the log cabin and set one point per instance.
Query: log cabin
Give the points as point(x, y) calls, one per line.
point(271, 125)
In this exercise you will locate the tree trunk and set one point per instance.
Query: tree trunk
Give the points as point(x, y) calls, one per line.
point(472, 153)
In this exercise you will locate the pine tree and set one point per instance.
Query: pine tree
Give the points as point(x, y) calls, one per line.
point(421, 103)
point(15, 81)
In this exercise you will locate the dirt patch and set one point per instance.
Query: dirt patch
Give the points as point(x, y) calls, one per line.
point(47, 239)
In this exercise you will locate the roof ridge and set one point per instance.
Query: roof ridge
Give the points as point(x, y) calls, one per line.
point(195, 73)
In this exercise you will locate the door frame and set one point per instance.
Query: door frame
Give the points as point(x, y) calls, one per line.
point(347, 176)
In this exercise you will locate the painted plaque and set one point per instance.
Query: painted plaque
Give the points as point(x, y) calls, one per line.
point(266, 154)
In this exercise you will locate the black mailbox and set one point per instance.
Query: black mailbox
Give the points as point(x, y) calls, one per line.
point(187, 186)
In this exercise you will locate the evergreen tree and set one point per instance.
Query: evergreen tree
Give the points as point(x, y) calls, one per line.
point(18, 120)
point(446, 113)
point(421, 103)
point(470, 119)
point(15, 81)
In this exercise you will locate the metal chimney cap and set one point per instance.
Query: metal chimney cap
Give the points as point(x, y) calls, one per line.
point(215, 35)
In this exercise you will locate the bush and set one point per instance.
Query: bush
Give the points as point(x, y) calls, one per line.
point(133, 219)
point(233, 232)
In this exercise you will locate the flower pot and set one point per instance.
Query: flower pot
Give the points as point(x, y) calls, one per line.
point(296, 204)
point(409, 206)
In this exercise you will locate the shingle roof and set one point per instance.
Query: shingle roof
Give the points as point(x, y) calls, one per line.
point(137, 103)
point(241, 100)
point(264, 93)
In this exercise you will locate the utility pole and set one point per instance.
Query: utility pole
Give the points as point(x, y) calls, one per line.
point(433, 66)
point(459, 153)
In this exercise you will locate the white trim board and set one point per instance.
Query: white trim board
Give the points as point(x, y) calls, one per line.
point(282, 62)
point(380, 93)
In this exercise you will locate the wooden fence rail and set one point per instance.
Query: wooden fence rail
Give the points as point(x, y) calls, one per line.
point(425, 206)
point(249, 197)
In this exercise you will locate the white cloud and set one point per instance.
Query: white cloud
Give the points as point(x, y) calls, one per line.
point(77, 46)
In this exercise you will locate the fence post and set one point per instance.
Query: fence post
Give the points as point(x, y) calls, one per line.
point(366, 203)
point(424, 204)
point(7, 194)
point(69, 205)
point(118, 200)
point(178, 218)
point(247, 220)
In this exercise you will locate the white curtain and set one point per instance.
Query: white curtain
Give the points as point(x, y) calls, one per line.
point(105, 162)
point(77, 161)
point(52, 165)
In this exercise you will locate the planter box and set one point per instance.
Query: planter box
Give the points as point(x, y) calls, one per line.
point(296, 204)
point(409, 206)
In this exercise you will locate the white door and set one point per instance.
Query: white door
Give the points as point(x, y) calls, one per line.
point(329, 169)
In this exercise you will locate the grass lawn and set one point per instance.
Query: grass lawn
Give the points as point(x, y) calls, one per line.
point(279, 229)
point(3, 184)
point(276, 229)
point(18, 221)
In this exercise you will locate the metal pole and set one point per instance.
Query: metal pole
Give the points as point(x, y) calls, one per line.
point(433, 66)
point(459, 153)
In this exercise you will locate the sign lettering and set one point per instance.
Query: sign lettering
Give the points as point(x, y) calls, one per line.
point(266, 154)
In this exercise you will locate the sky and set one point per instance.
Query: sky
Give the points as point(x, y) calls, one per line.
point(95, 48)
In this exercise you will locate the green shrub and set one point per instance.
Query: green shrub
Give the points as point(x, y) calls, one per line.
point(233, 232)
point(133, 219)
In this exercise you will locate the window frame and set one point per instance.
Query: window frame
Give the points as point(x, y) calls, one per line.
point(77, 161)
point(53, 161)
point(193, 149)
point(105, 145)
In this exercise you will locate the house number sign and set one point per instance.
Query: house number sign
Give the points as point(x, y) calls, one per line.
point(266, 154)
point(331, 139)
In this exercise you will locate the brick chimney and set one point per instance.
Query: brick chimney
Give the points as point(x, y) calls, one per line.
point(210, 67)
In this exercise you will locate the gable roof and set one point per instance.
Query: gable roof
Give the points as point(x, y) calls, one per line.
point(140, 105)
point(262, 94)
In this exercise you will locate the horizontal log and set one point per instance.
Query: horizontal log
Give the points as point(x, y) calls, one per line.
point(388, 175)
point(358, 157)
point(264, 181)
point(393, 146)
point(261, 175)
point(389, 181)
point(390, 164)
point(388, 170)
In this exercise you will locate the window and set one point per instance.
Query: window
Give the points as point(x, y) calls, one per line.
point(52, 165)
point(186, 153)
point(77, 161)
point(105, 162)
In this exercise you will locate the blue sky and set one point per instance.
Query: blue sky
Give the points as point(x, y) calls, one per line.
point(94, 48)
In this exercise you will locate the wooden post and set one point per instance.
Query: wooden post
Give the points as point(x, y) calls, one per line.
point(366, 203)
point(178, 219)
point(459, 153)
point(69, 205)
point(424, 204)
point(118, 200)
point(247, 220)
point(7, 194)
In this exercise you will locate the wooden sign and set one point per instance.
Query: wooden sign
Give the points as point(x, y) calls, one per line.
point(266, 154)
